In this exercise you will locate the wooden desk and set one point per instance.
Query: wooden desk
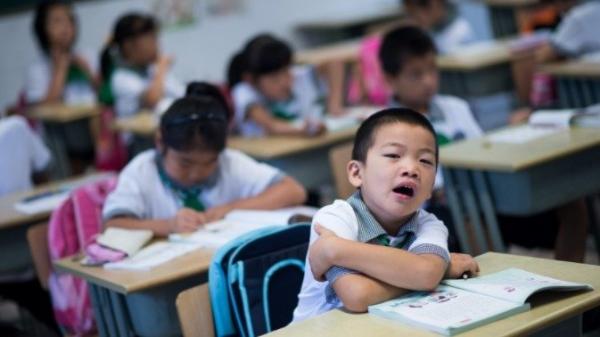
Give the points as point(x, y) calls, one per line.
point(66, 127)
point(503, 15)
point(578, 82)
point(14, 255)
point(518, 179)
point(342, 26)
point(472, 71)
point(551, 314)
point(142, 124)
point(140, 303)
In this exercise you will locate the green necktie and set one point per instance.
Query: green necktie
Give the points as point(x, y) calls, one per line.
point(384, 240)
point(189, 195)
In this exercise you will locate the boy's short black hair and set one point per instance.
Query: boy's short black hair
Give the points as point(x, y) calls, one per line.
point(365, 135)
point(40, 20)
point(195, 123)
point(401, 45)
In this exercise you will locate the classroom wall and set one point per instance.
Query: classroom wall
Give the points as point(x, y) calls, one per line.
point(201, 50)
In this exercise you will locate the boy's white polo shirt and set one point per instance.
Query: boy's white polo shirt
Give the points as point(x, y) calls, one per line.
point(428, 236)
point(140, 192)
point(577, 34)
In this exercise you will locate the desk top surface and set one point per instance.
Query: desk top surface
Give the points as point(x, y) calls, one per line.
point(127, 281)
point(573, 69)
point(546, 308)
point(10, 217)
point(262, 147)
point(485, 155)
point(469, 58)
point(61, 113)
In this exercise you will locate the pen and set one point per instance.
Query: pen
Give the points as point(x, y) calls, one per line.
point(465, 276)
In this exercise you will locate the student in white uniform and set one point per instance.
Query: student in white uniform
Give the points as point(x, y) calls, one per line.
point(24, 155)
point(576, 35)
point(60, 73)
point(271, 97)
point(192, 178)
point(136, 75)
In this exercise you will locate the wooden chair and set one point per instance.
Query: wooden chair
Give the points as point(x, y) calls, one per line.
point(339, 156)
point(195, 312)
point(37, 237)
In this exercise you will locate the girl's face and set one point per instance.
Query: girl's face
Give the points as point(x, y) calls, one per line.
point(142, 50)
point(276, 86)
point(429, 16)
point(60, 27)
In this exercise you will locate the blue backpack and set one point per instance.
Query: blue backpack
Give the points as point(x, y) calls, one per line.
point(254, 280)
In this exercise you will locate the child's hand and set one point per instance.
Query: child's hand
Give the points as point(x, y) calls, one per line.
point(313, 128)
point(187, 220)
point(80, 62)
point(164, 62)
point(320, 252)
point(217, 213)
point(460, 264)
point(60, 58)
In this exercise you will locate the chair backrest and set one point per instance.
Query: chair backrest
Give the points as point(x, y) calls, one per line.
point(37, 237)
point(195, 312)
point(339, 156)
point(255, 280)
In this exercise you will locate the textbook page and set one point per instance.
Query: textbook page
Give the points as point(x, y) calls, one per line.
point(43, 202)
point(447, 310)
point(152, 256)
point(521, 134)
point(128, 241)
point(513, 284)
point(216, 234)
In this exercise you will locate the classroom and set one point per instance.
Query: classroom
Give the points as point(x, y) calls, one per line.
point(219, 168)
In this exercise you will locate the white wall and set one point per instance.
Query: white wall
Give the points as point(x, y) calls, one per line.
point(201, 51)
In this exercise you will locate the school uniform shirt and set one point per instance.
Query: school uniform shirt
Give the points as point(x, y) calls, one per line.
point(306, 96)
point(141, 193)
point(454, 35)
point(352, 220)
point(78, 89)
point(452, 120)
point(577, 34)
point(128, 85)
point(23, 153)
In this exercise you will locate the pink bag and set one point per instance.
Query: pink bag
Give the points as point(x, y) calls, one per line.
point(543, 91)
point(111, 153)
point(376, 90)
point(72, 226)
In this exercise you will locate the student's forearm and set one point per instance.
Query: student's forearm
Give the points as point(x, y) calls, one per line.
point(333, 72)
point(358, 292)
point(390, 265)
point(287, 192)
point(57, 85)
point(272, 126)
point(155, 90)
point(159, 227)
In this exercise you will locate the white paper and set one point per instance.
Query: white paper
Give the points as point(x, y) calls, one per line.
point(152, 256)
point(521, 134)
point(43, 204)
point(271, 217)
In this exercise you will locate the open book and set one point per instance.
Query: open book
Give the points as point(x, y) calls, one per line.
point(589, 117)
point(238, 222)
point(460, 305)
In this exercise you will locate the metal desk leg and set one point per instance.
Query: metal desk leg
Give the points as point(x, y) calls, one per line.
point(119, 307)
point(102, 311)
point(468, 197)
point(455, 209)
point(489, 214)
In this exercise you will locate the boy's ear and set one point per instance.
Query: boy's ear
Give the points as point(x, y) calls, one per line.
point(354, 170)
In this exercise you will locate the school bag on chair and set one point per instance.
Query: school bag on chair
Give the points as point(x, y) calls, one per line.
point(255, 280)
point(72, 226)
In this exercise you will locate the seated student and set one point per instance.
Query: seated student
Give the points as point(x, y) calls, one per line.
point(61, 73)
point(269, 94)
point(24, 155)
point(191, 178)
point(379, 244)
point(576, 35)
point(137, 74)
point(438, 17)
point(407, 57)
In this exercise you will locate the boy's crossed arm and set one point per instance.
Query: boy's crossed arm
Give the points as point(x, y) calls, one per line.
point(386, 272)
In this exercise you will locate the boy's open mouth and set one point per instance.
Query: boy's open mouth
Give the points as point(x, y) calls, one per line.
point(405, 190)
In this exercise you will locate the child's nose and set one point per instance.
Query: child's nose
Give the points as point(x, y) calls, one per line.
point(410, 169)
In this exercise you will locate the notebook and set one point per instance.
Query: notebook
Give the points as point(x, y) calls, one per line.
point(128, 241)
point(460, 305)
point(43, 202)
